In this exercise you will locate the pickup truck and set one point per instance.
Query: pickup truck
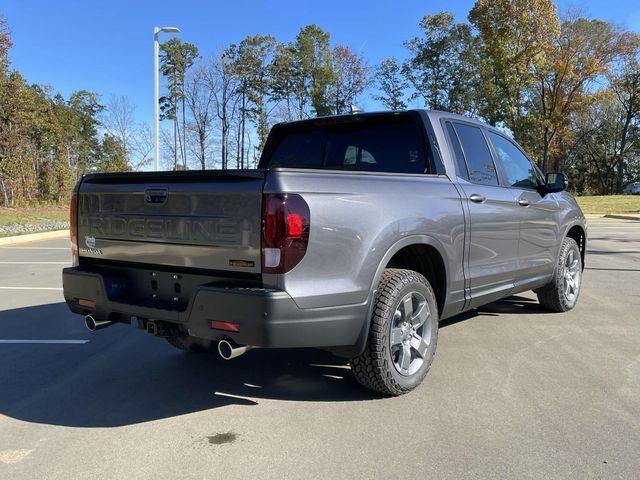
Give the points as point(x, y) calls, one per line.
point(356, 234)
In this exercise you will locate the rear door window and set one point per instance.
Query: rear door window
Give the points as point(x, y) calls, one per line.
point(477, 155)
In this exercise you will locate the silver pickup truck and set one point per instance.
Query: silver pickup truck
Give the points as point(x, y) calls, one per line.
point(355, 234)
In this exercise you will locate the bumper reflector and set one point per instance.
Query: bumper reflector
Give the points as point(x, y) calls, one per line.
point(226, 326)
point(86, 303)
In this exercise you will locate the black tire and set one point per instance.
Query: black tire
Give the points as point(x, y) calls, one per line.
point(183, 341)
point(374, 368)
point(552, 296)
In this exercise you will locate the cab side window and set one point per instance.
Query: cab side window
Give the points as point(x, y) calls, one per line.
point(519, 171)
point(477, 155)
point(461, 166)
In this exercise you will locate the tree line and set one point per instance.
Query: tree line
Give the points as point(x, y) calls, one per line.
point(565, 86)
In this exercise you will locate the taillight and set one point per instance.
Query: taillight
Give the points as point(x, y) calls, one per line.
point(73, 228)
point(285, 231)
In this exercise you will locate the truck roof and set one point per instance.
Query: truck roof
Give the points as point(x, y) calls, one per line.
point(432, 114)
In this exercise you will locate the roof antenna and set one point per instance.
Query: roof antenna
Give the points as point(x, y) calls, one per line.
point(355, 109)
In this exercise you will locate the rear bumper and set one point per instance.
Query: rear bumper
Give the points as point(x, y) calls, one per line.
point(266, 317)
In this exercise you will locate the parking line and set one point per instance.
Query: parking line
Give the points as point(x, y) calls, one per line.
point(32, 288)
point(34, 248)
point(62, 342)
point(35, 263)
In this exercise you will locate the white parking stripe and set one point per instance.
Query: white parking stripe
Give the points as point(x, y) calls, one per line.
point(621, 250)
point(63, 342)
point(35, 248)
point(35, 263)
point(59, 289)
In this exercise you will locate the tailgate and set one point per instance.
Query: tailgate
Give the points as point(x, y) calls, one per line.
point(208, 220)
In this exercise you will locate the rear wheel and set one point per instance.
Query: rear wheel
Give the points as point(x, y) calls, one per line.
point(190, 344)
point(402, 336)
point(561, 294)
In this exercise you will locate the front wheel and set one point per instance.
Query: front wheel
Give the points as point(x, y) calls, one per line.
point(402, 336)
point(561, 293)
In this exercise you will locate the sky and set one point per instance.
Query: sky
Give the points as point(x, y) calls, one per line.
point(107, 46)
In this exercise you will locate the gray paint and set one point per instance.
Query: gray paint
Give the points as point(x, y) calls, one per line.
point(359, 220)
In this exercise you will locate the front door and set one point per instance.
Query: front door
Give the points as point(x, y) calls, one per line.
point(492, 257)
point(537, 247)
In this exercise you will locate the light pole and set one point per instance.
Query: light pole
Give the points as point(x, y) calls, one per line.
point(156, 61)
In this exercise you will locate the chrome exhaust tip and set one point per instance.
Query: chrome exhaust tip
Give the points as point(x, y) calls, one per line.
point(229, 349)
point(92, 324)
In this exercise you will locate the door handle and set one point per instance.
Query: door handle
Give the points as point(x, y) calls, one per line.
point(477, 198)
point(523, 202)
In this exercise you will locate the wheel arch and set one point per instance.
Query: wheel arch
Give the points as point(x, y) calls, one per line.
point(579, 234)
point(421, 253)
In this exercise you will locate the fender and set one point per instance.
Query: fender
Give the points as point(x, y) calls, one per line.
point(395, 248)
point(580, 222)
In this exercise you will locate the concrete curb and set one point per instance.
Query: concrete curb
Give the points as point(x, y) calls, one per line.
point(34, 237)
point(623, 217)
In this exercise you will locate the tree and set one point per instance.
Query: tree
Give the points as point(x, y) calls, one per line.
point(86, 146)
point(391, 84)
point(350, 76)
point(112, 156)
point(313, 55)
point(176, 58)
point(513, 39)
point(46, 141)
point(582, 54)
point(251, 67)
point(5, 45)
point(222, 81)
point(119, 121)
point(625, 85)
point(286, 82)
point(199, 99)
point(440, 67)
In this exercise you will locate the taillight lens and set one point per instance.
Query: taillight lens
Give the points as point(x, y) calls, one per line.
point(73, 229)
point(285, 231)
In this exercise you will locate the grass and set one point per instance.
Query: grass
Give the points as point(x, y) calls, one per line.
point(33, 215)
point(601, 204)
point(39, 215)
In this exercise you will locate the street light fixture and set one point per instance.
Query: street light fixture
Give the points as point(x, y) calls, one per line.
point(156, 61)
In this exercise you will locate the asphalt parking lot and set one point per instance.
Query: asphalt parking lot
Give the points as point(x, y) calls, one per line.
point(514, 392)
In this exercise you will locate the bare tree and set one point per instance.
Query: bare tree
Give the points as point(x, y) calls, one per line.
point(350, 78)
point(169, 144)
point(222, 82)
point(199, 100)
point(143, 147)
point(119, 121)
point(136, 140)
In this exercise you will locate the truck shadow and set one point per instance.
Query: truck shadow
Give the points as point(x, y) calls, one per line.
point(124, 376)
point(515, 304)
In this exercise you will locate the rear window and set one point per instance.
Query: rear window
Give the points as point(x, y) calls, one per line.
point(299, 149)
point(389, 145)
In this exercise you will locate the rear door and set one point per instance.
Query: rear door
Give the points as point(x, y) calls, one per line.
point(207, 220)
point(494, 218)
point(538, 215)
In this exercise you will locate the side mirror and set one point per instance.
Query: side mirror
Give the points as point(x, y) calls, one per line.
point(555, 182)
